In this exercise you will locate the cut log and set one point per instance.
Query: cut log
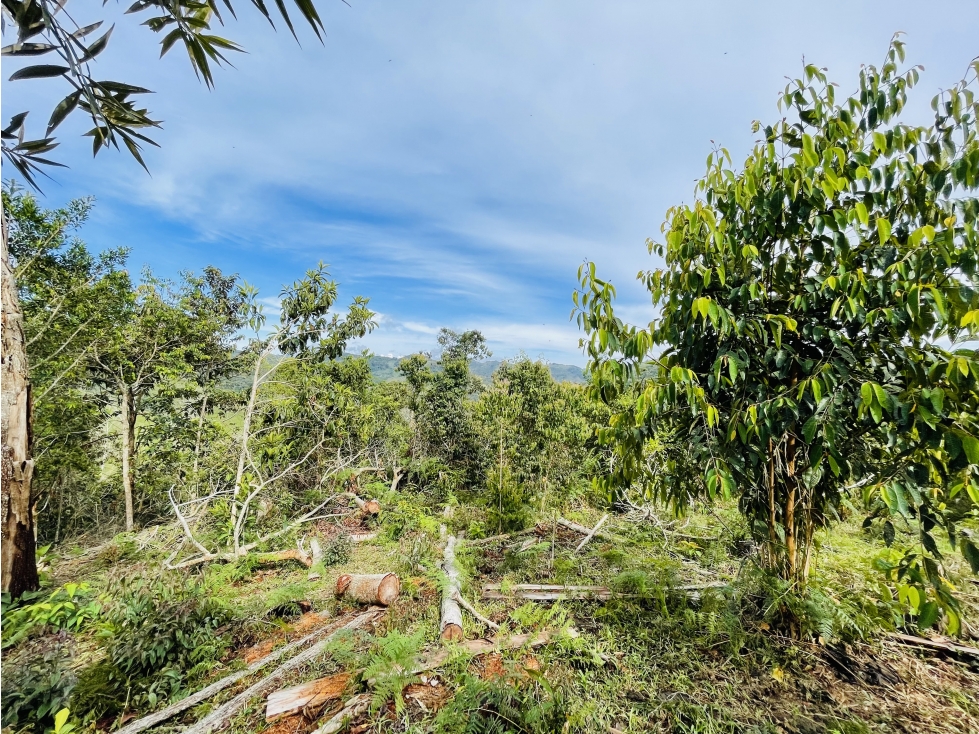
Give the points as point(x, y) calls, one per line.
point(591, 533)
point(221, 715)
point(354, 707)
point(293, 554)
point(309, 697)
point(548, 592)
point(368, 507)
point(376, 588)
point(134, 727)
point(557, 592)
point(582, 529)
point(451, 623)
point(943, 646)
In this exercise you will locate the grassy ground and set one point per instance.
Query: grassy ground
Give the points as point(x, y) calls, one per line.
point(656, 659)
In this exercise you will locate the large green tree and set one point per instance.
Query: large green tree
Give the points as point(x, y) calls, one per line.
point(166, 335)
point(814, 312)
point(55, 30)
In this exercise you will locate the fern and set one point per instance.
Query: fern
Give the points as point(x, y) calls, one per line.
point(390, 667)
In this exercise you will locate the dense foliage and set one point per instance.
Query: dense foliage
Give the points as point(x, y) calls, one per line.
point(814, 315)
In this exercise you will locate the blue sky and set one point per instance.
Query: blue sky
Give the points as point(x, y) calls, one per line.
point(456, 162)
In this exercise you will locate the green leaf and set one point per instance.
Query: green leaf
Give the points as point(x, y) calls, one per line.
point(971, 554)
point(971, 447)
point(883, 230)
point(862, 213)
point(39, 71)
point(928, 615)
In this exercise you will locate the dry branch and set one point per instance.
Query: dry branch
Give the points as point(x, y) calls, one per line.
point(377, 588)
point(451, 620)
point(221, 715)
point(581, 528)
point(557, 592)
point(472, 610)
point(591, 533)
point(134, 727)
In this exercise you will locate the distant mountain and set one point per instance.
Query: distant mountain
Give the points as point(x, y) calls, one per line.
point(384, 369)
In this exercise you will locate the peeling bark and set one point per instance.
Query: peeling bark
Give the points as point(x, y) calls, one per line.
point(18, 571)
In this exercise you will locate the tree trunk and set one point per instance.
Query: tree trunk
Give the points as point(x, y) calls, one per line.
point(197, 442)
point(128, 416)
point(791, 545)
point(451, 615)
point(19, 563)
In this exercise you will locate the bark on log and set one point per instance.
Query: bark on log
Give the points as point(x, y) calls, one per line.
point(310, 696)
point(377, 588)
point(949, 647)
point(18, 560)
point(354, 707)
point(451, 621)
point(221, 715)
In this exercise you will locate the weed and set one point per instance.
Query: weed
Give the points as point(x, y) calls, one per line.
point(69, 607)
point(37, 682)
point(390, 667)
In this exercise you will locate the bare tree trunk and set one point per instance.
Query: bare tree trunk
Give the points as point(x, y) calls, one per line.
point(791, 545)
point(128, 406)
point(245, 435)
point(197, 442)
point(19, 562)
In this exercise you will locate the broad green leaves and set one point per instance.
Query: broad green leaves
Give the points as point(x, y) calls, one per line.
point(833, 349)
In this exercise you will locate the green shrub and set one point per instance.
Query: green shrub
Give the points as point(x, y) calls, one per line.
point(508, 502)
point(37, 682)
point(160, 632)
point(69, 607)
point(507, 704)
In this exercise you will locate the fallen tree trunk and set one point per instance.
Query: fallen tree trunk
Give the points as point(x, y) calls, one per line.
point(134, 727)
point(451, 620)
point(309, 697)
point(293, 554)
point(354, 707)
point(221, 715)
point(377, 588)
point(949, 647)
point(557, 592)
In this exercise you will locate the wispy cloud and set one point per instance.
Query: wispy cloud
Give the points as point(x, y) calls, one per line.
point(457, 162)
